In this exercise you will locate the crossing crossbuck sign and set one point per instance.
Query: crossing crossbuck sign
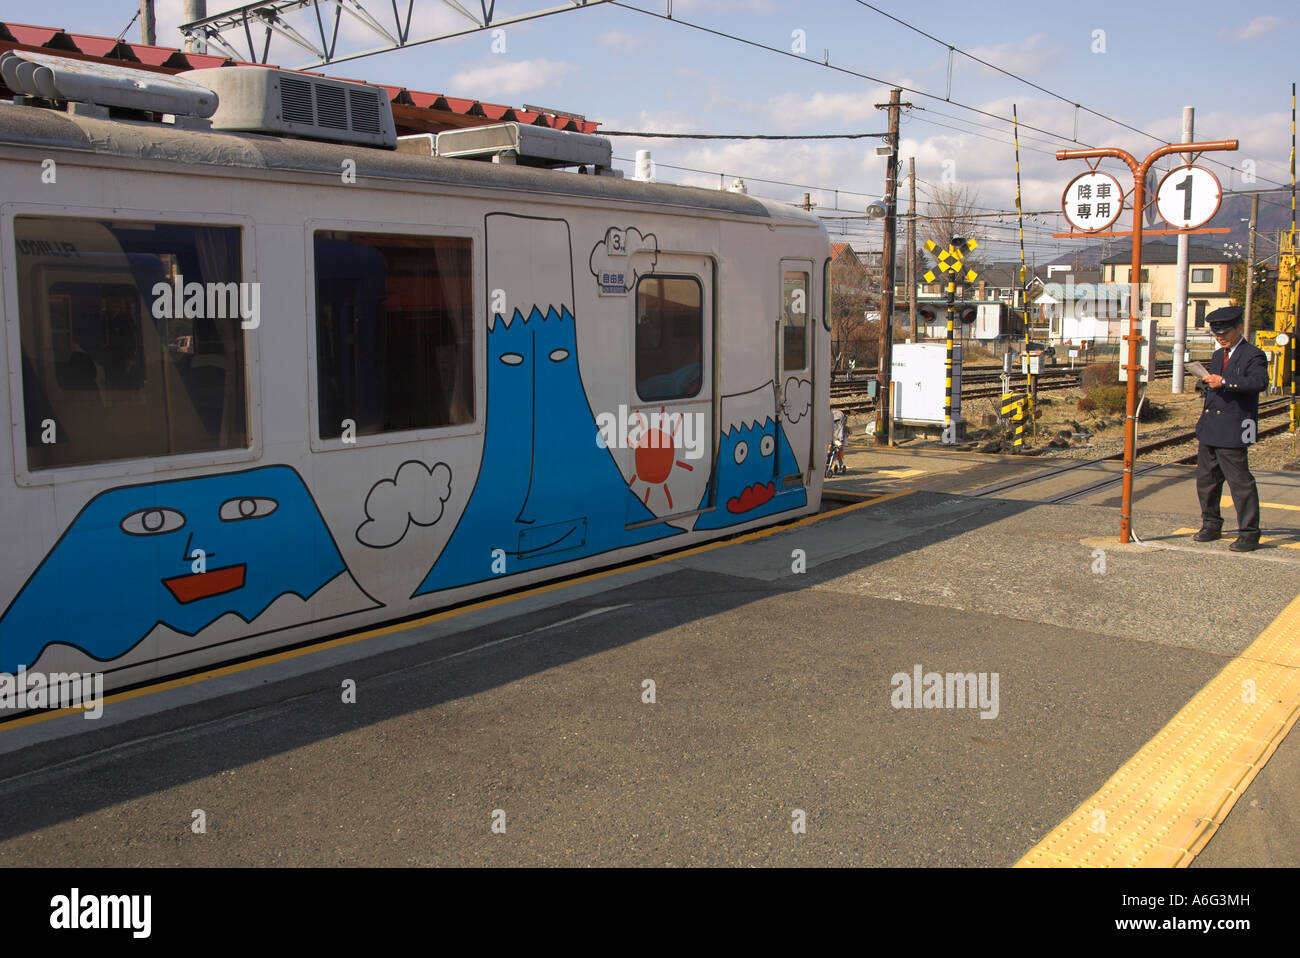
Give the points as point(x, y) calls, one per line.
point(950, 261)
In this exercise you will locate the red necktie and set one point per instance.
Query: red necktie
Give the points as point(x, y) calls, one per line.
point(1225, 361)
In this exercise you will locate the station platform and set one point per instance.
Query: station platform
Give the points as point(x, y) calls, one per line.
point(1107, 722)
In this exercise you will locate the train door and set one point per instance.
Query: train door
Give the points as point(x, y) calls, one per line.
point(794, 377)
point(670, 417)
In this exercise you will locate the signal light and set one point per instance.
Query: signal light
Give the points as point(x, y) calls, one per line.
point(967, 314)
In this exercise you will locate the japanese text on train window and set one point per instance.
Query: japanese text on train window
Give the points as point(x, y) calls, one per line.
point(132, 339)
point(794, 326)
point(394, 334)
point(669, 337)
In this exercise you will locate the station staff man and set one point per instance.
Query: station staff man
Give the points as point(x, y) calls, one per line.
point(1229, 423)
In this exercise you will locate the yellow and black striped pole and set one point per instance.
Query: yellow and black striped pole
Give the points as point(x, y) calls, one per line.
point(1020, 218)
point(1014, 408)
point(948, 362)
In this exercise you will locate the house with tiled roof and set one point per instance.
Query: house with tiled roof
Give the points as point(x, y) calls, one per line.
point(850, 271)
point(1207, 281)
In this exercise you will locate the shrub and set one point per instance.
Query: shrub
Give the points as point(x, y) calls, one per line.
point(1109, 398)
point(1099, 374)
point(1087, 404)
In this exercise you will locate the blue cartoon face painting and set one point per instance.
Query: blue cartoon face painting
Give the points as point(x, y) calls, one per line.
point(529, 509)
point(128, 563)
point(747, 481)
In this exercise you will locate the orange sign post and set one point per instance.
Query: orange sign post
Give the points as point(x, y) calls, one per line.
point(1091, 222)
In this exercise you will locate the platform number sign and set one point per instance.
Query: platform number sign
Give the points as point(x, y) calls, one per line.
point(1188, 197)
point(1092, 201)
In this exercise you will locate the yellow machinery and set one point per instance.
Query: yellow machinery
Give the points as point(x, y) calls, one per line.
point(1279, 342)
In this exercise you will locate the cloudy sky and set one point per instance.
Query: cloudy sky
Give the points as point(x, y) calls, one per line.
point(821, 66)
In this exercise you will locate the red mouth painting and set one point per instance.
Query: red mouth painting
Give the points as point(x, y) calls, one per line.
point(753, 497)
point(201, 585)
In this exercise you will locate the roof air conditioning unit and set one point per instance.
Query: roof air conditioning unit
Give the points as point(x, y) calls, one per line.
point(285, 103)
point(516, 143)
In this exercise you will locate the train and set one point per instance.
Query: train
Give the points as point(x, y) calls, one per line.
point(267, 387)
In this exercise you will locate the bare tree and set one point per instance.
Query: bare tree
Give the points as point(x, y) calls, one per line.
point(949, 212)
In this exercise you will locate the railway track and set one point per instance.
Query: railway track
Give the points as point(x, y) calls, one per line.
point(1267, 411)
point(986, 380)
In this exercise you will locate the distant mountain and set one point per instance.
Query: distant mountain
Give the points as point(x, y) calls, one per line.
point(1085, 255)
point(1234, 213)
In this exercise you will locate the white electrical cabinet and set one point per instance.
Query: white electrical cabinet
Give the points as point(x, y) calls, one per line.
point(1146, 352)
point(918, 378)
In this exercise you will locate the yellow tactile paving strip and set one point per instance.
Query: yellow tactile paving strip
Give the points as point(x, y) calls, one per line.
point(1168, 800)
point(857, 500)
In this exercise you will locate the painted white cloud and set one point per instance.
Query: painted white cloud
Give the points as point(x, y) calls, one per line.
point(797, 399)
point(415, 495)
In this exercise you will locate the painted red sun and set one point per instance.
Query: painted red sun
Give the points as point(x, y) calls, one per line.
point(655, 453)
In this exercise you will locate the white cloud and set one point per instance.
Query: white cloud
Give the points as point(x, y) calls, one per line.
point(508, 78)
point(1024, 58)
point(1259, 27)
point(620, 40)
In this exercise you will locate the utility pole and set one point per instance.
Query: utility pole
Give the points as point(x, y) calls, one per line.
point(1250, 262)
point(1180, 280)
point(148, 33)
point(911, 249)
point(887, 268)
point(194, 10)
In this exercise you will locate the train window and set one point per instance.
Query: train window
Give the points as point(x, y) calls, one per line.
point(394, 333)
point(669, 337)
point(795, 326)
point(131, 335)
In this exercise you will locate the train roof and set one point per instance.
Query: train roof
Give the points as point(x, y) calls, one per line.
point(32, 126)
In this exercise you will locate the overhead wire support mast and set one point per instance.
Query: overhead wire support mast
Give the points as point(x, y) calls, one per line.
point(1020, 226)
point(1139, 201)
point(269, 20)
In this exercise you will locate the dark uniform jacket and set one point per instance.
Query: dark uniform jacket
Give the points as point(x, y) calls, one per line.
point(1227, 408)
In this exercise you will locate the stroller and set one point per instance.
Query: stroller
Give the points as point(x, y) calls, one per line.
point(839, 435)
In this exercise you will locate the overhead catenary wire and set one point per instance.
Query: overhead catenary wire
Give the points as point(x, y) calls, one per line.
point(745, 136)
point(670, 18)
point(1015, 76)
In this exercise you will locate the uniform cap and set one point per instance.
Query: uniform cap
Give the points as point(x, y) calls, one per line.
point(1224, 318)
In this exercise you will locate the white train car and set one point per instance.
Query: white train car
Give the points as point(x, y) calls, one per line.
point(265, 390)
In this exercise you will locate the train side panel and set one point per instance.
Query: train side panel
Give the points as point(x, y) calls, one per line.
point(417, 396)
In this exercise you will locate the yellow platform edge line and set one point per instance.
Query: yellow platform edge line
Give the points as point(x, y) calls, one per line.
point(863, 500)
point(1216, 798)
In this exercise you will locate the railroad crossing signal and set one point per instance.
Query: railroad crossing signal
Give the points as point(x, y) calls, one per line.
point(950, 260)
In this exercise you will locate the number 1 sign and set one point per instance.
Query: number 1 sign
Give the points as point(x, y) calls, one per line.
point(1188, 197)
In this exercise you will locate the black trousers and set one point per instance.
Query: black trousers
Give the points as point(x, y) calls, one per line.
point(1213, 465)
